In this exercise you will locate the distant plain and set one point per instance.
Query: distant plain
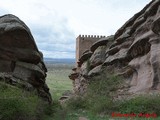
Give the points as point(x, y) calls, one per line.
point(57, 76)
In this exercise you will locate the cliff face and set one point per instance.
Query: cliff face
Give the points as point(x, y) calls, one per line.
point(21, 62)
point(133, 53)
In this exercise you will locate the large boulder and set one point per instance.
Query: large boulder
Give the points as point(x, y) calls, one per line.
point(20, 57)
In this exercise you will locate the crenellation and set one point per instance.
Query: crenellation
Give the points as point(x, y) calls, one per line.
point(90, 36)
point(79, 36)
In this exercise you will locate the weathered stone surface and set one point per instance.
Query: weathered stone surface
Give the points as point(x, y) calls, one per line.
point(136, 47)
point(20, 57)
point(113, 50)
point(142, 53)
point(120, 56)
point(86, 51)
point(101, 42)
point(82, 118)
point(73, 76)
point(85, 56)
point(95, 71)
point(6, 65)
point(74, 69)
point(85, 68)
point(98, 56)
point(80, 85)
point(141, 81)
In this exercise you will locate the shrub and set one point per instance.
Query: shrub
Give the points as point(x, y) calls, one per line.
point(100, 91)
point(75, 103)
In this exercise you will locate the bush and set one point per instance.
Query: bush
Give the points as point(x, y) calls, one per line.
point(100, 91)
point(75, 103)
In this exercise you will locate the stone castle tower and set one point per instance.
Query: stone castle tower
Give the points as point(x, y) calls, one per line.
point(84, 42)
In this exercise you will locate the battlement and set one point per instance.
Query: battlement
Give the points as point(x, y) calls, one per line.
point(91, 36)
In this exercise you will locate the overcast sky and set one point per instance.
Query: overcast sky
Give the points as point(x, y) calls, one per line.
point(55, 24)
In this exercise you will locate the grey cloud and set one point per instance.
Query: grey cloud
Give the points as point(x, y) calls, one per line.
point(53, 39)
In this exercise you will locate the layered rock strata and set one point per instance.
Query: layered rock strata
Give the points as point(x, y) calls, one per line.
point(21, 63)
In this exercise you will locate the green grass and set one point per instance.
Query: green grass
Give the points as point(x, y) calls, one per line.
point(57, 79)
point(16, 104)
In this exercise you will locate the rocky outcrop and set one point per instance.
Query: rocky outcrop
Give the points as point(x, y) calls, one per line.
point(21, 62)
point(90, 65)
point(133, 52)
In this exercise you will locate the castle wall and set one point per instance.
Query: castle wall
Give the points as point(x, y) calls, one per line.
point(83, 43)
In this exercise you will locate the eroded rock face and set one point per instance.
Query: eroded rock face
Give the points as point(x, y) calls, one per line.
point(143, 51)
point(90, 65)
point(21, 62)
point(134, 52)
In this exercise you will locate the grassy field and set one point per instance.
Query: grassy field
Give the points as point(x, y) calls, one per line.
point(57, 79)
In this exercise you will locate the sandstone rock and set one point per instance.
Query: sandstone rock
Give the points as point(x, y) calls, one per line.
point(86, 51)
point(101, 42)
point(95, 71)
point(98, 56)
point(112, 51)
point(73, 76)
point(141, 54)
point(80, 85)
point(120, 56)
point(20, 56)
point(136, 47)
point(74, 69)
point(82, 118)
point(6, 65)
point(85, 56)
point(79, 64)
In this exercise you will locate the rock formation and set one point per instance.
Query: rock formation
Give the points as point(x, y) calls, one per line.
point(133, 53)
point(90, 64)
point(21, 62)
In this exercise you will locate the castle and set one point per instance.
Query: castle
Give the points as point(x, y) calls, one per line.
point(84, 42)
